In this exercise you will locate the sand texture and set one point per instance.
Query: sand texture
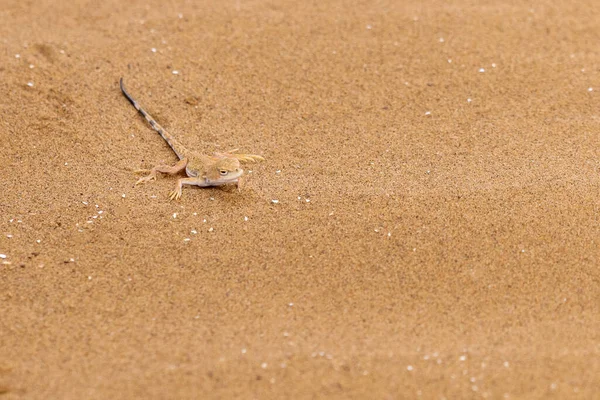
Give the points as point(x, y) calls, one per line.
point(437, 171)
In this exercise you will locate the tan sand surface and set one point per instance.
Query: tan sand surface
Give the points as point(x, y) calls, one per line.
point(436, 165)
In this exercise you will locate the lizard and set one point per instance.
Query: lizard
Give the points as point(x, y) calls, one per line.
point(201, 170)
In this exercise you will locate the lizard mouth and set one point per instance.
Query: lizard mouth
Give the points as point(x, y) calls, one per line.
point(232, 177)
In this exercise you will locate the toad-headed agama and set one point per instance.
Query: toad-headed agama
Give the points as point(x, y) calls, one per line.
point(202, 170)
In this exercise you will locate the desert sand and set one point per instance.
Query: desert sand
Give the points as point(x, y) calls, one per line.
point(436, 166)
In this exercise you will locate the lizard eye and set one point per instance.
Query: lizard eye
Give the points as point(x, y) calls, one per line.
point(223, 172)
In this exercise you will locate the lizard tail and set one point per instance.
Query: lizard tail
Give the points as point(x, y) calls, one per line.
point(177, 147)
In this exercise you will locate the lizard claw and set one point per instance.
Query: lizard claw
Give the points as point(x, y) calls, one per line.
point(151, 177)
point(175, 194)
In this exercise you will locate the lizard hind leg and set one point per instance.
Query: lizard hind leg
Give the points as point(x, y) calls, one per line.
point(165, 169)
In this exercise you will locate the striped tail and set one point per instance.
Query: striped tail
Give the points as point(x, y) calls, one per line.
point(177, 147)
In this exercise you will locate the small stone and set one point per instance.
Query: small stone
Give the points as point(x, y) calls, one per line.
point(410, 367)
point(30, 84)
point(175, 72)
point(427, 112)
point(3, 256)
point(153, 50)
point(481, 69)
point(274, 201)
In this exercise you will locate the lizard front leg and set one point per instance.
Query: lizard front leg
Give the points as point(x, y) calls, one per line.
point(165, 169)
point(176, 193)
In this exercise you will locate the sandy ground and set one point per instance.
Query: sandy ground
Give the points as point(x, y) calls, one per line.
point(436, 165)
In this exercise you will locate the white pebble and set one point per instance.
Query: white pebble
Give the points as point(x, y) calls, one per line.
point(2, 256)
point(244, 351)
point(427, 112)
point(469, 100)
point(369, 27)
point(590, 89)
point(123, 195)
point(245, 218)
point(31, 66)
point(291, 304)
point(410, 368)
point(462, 358)
point(449, 61)
point(174, 215)
point(274, 201)
point(89, 278)
point(278, 171)
point(481, 70)
point(9, 236)
point(17, 56)
point(263, 365)
point(30, 84)
point(38, 241)
point(211, 229)
point(308, 200)
point(506, 364)
point(175, 72)
point(186, 239)
point(441, 40)
point(153, 50)
point(194, 231)
point(493, 65)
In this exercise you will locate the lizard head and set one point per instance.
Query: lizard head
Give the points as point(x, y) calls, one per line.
point(224, 170)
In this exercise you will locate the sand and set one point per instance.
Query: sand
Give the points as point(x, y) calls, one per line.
point(436, 166)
